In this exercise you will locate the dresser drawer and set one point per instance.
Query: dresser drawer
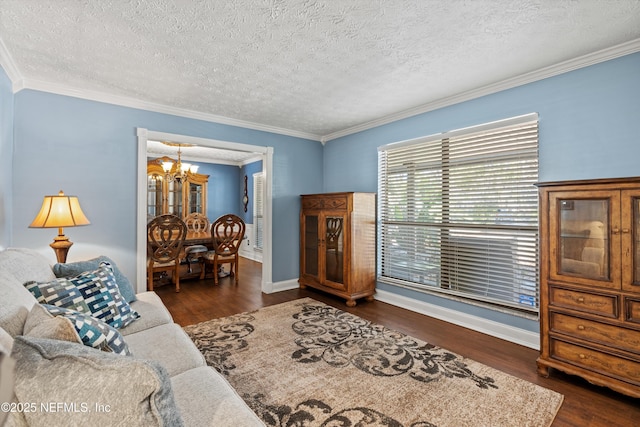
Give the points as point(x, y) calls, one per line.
point(632, 310)
point(614, 336)
point(607, 364)
point(330, 202)
point(600, 304)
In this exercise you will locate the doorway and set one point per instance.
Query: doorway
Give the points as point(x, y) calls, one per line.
point(144, 136)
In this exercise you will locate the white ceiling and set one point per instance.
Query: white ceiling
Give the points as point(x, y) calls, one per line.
point(311, 68)
point(198, 153)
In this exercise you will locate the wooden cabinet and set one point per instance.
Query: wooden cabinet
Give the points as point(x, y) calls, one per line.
point(338, 244)
point(590, 281)
point(174, 197)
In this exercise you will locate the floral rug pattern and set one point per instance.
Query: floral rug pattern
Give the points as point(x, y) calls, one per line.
point(307, 364)
point(340, 338)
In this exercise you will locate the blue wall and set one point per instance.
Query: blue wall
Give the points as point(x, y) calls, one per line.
point(222, 189)
point(89, 149)
point(6, 157)
point(589, 128)
point(248, 170)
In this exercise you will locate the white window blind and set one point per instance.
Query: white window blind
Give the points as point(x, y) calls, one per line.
point(258, 208)
point(458, 213)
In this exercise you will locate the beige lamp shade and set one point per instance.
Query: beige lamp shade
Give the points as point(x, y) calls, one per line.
point(58, 212)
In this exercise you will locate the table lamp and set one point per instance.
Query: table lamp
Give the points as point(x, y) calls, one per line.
point(60, 211)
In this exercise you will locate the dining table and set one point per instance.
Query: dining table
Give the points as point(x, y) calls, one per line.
point(198, 238)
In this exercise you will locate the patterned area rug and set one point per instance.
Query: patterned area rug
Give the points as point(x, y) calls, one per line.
point(304, 363)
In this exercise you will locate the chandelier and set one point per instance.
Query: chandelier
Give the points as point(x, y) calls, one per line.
point(180, 171)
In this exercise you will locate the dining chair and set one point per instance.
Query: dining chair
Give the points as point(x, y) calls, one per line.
point(196, 223)
point(165, 238)
point(227, 233)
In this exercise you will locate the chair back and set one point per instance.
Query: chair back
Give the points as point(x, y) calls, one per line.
point(165, 237)
point(227, 233)
point(197, 222)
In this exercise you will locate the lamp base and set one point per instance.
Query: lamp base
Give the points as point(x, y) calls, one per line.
point(61, 245)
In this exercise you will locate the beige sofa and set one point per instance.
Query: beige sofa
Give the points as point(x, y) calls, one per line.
point(57, 380)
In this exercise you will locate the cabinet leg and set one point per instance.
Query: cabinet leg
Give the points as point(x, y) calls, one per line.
point(543, 370)
point(370, 298)
point(303, 286)
point(351, 303)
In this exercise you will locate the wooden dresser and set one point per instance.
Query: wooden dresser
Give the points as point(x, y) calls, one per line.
point(338, 244)
point(590, 281)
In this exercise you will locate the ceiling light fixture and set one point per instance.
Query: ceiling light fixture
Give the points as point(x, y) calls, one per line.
point(179, 171)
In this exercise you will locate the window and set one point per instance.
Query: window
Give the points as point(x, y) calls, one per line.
point(458, 213)
point(258, 208)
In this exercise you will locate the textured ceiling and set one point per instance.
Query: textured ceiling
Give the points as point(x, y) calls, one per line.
point(199, 153)
point(313, 67)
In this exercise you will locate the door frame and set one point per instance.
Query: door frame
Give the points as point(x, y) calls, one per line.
point(141, 218)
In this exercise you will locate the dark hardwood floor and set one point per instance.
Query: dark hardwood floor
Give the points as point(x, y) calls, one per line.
point(584, 404)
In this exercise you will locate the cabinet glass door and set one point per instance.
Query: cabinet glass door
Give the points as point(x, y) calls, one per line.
point(635, 229)
point(631, 241)
point(154, 196)
point(195, 201)
point(334, 248)
point(585, 228)
point(174, 198)
point(311, 239)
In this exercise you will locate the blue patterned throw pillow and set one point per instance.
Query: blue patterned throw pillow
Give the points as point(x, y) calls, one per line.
point(71, 269)
point(61, 293)
point(93, 332)
point(92, 292)
point(126, 314)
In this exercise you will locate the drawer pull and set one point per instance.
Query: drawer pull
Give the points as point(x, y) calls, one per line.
point(581, 300)
point(581, 327)
point(582, 356)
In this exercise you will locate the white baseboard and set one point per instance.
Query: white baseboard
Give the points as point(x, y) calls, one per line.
point(479, 324)
point(285, 285)
point(252, 255)
point(475, 323)
point(247, 249)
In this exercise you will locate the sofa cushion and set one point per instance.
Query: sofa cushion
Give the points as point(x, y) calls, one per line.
point(74, 268)
point(7, 367)
point(169, 345)
point(102, 388)
point(6, 342)
point(93, 292)
point(26, 265)
point(93, 332)
point(15, 303)
point(218, 404)
point(152, 313)
point(42, 324)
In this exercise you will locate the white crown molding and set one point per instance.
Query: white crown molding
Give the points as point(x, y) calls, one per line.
point(543, 73)
point(250, 160)
point(9, 66)
point(19, 83)
point(124, 101)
